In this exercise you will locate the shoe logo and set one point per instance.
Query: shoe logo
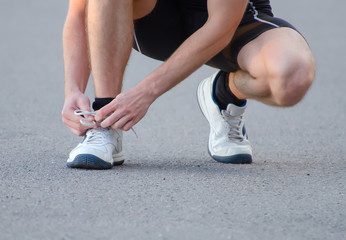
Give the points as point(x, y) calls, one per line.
point(84, 139)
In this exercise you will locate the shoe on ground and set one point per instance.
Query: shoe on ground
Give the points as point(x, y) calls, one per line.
point(228, 141)
point(101, 148)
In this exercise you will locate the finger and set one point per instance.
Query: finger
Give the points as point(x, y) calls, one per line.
point(113, 118)
point(103, 112)
point(76, 126)
point(84, 104)
point(68, 113)
point(73, 123)
point(128, 125)
point(121, 122)
point(78, 133)
point(70, 116)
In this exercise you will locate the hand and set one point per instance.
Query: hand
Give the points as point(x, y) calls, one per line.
point(127, 109)
point(76, 101)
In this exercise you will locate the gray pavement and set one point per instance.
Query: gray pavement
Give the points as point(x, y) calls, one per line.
point(169, 188)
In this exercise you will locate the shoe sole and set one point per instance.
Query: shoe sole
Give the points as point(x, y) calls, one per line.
point(88, 161)
point(234, 159)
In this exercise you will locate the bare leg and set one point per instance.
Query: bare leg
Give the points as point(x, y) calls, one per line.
point(110, 31)
point(278, 68)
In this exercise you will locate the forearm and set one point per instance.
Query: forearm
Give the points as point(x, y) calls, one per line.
point(197, 49)
point(191, 55)
point(76, 59)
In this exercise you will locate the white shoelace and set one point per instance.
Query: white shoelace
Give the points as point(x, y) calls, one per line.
point(234, 122)
point(90, 123)
point(85, 121)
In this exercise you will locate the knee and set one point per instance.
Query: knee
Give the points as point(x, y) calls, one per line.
point(290, 81)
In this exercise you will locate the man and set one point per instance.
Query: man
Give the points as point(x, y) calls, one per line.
point(259, 56)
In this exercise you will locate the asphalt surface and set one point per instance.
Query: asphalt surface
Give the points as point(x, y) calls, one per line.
point(169, 188)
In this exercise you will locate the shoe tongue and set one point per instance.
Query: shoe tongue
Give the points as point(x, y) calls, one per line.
point(234, 110)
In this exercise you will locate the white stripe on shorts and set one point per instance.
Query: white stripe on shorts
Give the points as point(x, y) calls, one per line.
point(259, 19)
point(137, 44)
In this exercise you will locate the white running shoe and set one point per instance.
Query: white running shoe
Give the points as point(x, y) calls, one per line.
point(101, 148)
point(228, 141)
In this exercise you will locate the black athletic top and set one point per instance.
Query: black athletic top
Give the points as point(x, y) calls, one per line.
point(254, 9)
point(160, 33)
point(253, 5)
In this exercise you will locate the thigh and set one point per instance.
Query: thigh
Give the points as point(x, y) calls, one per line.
point(248, 32)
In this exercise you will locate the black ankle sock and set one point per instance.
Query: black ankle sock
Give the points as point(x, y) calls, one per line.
point(222, 93)
point(101, 102)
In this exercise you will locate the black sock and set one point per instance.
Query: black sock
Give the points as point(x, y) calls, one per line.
point(101, 102)
point(222, 94)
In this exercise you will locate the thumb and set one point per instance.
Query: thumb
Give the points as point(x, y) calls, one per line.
point(84, 104)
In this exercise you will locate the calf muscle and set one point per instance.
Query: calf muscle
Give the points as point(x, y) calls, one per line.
point(110, 30)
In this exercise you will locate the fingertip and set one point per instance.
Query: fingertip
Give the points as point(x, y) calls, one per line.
point(127, 127)
point(98, 117)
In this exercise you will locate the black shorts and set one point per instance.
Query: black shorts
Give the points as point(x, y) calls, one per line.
point(160, 33)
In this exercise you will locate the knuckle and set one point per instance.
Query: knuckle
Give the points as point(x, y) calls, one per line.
point(76, 132)
point(127, 110)
point(80, 134)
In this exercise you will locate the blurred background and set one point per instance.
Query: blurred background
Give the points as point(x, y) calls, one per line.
point(169, 187)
